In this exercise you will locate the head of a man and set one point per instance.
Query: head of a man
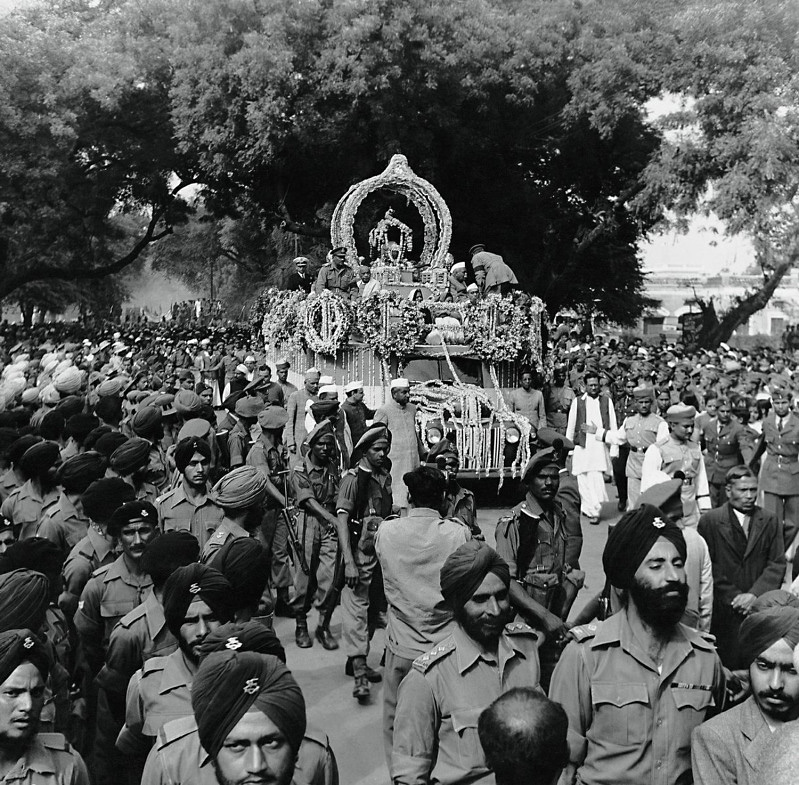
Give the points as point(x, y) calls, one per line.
point(592, 384)
point(526, 379)
point(664, 400)
point(134, 524)
point(542, 476)
point(312, 377)
point(475, 584)
point(240, 494)
point(781, 402)
point(401, 392)
point(377, 445)
point(365, 273)
point(250, 716)
point(644, 403)
point(523, 735)
point(767, 640)
point(7, 537)
point(322, 443)
point(427, 487)
point(741, 487)
point(193, 461)
point(301, 265)
point(724, 411)
point(249, 363)
point(356, 395)
point(458, 272)
point(681, 421)
point(282, 369)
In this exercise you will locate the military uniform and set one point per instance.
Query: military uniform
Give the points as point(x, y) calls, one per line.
point(442, 697)
point(157, 473)
point(319, 539)
point(25, 507)
point(460, 504)
point(557, 404)
point(625, 407)
point(225, 532)
point(8, 483)
point(92, 552)
point(355, 602)
point(340, 280)
point(238, 443)
point(630, 721)
point(49, 760)
point(725, 446)
point(668, 456)
point(63, 524)
point(178, 758)
point(176, 512)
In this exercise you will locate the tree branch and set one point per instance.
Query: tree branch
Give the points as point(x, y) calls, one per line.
point(306, 230)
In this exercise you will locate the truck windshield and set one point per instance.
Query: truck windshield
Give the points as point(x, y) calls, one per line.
point(469, 371)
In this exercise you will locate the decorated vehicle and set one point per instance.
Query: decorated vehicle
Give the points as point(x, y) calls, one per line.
point(461, 358)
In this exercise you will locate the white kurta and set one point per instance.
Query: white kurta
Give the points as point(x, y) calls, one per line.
point(404, 445)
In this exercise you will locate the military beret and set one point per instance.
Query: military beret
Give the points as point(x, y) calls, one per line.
point(323, 409)
point(131, 456)
point(273, 417)
point(146, 421)
point(103, 496)
point(546, 457)
point(549, 437)
point(372, 434)
point(18, 646)
point(443, 448)
point(130, 512)
point(107, 444)
point(76, 474)
point(39, 458)
point(324, 428)
point(249, 407)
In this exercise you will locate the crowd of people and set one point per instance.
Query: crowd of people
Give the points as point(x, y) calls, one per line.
point(164, 498)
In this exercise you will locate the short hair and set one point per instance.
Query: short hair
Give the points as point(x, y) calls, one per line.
point(523, 734)
point(426, 486)
point(738, 473)
point(592, 375)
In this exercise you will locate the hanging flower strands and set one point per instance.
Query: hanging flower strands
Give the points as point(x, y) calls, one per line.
point(391, 325)
point(327, 319)
point(386, 250)
point(276, 315)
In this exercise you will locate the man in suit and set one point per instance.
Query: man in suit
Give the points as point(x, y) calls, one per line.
point(748, 555)
point(725, 749)
point(726, 444)
point(299, 280)
point(780, 472)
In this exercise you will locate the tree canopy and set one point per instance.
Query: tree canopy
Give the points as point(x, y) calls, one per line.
point(530, 118)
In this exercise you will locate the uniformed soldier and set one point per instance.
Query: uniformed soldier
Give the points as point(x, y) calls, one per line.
point(679, 453)
point(240, 494)
point(13, 477)
point(726, 443)
point(441, 698)
point(315, 485)
point(196, 601)
point(626, 406)
point(239, 440)
point(188, 506)
point(460, 501)
point(336, 275)
point(131, 462)
point(639, 432)
point(245, 563)
point(98, 547)
point(558, 400)
point(147, 424)
point(65, 523)
point(636, 685)
point(270, 457)
point(282, 369)
point(364, 500)
point(29, 757)
point(26, 505)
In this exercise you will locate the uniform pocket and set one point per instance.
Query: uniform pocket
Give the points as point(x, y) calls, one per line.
point(470, 751)
point(621, 712)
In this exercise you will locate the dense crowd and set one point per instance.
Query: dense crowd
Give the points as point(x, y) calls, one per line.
point(164, 497)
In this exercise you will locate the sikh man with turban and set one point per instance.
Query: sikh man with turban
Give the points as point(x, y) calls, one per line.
point(240, 494)
point(446, 690)
point(364, 500)
point(725, 749)
point(26, 757)
point(636, 685)
point(188, 507)
point(196, 600)
point(239, 698)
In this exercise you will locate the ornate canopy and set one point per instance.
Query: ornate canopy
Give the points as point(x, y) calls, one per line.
point(399, 178)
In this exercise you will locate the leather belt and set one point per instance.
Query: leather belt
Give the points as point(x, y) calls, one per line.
point(635, 449)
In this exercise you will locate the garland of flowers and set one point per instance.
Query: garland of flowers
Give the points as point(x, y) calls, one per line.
point(387, 340)
point(327, 319)
point(277, 314)
point(497, 329)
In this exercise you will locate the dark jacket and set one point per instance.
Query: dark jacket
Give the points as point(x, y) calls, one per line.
point(293, 283)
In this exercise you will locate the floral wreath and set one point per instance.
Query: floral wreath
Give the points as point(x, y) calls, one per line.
point(496, 328)
point(276, 314)
point(327, 319)
point(389, 340)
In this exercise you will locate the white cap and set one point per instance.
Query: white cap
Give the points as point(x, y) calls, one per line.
point(241, 368)
point(352, 387)
point(400, 384)
point(458, 266)
point(325, 380)
point(328, 389)
point(248, 359)
point(472, 287)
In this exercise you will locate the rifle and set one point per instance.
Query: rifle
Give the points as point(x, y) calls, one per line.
point(289, 516)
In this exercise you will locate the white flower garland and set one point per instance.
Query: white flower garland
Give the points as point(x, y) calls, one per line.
point(332, 313)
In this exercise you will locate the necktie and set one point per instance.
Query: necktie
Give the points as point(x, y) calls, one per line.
point(779, 424)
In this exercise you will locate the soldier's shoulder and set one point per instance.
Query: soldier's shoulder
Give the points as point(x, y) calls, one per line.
point(584, 632)
point(699, 638)
point(520, 628)
point(153, 665)
point(56, 742)
point(664, 440)
point(350, 473)
point(315, 736)
point(166, 496)
point(132, 617)
point(101, 571)
point(428, 660)
point(176, 730)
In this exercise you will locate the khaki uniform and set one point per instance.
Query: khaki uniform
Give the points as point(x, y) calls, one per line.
point(557, 403)
point(225, 532)
point(340, 280)
point(92, 552)
point(8, 483)
point(49, 760)
point(441, 699)
point(25, 507)
point(630, 722)
point(178, 758)
point(63, 524)
point(176, 512)
point(460, 504)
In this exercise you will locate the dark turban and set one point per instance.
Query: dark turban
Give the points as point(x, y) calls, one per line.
point(35, 553)
point(239, 489)
point(131, 456)
point(18, 646)
point(52, 425)
point(166, 553)
point(776, 598)
point(127, 513)
point(7, 437)
point(109, 409)
point(76, 474)
point(108, 443)
point(632, 538)
point(21, 446)
point(103, 496)
point(79, 426)
point(763, 629)
point(245, 563)
point(24, 597)
point(72, 404)
point(40, 458)
point(187, 447)
point(243, 636)
point(228, 684)
point(195, 582)
point(466, 568)
point(146, 421)
point(323, 409)
point(91, 439)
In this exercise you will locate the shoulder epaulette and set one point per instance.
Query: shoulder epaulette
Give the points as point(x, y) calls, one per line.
point(165, 496)
point(315, 735)
point(101, 570)
point(54, 741)
point(708, 636)
point(584, 632)
point(128, 619)
point(661, 442)
point(453, 519)
point(174, 730)
point(350, 473)
point(153, 665)
point(426, 661)
point(519, 628)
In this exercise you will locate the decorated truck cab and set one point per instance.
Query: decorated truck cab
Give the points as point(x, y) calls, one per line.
point(460, 357)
